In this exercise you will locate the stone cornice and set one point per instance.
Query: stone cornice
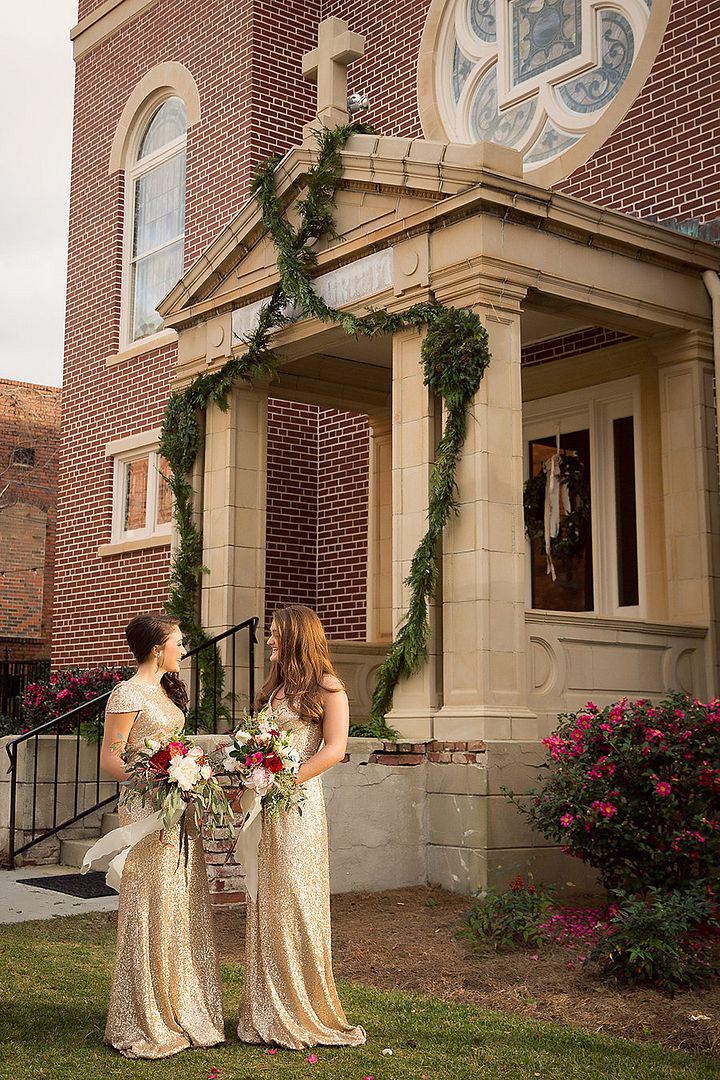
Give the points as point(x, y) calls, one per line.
point(104, 21)
point(451, 183)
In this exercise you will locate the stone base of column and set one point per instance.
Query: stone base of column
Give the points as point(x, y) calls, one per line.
point(412, 725)
point(516, 722)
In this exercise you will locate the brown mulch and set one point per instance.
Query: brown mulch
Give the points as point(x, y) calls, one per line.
point(407, 939)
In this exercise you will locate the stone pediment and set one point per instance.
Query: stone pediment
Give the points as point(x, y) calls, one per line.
point(386, 182)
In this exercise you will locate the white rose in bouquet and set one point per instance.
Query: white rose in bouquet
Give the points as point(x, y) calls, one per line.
point(206, 771)
point(184, 771)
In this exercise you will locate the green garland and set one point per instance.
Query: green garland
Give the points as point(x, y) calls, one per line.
point(572, 536)
point(454, 353)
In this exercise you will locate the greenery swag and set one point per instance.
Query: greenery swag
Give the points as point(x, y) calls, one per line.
point(454, 354)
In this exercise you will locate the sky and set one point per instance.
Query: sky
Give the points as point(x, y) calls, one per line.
point(36, 90)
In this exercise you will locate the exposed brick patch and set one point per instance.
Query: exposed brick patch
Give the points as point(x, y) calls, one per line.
point(465, 752)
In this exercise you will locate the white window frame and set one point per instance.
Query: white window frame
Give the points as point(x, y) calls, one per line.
point(595, 408)
point(135, 169)
point(123, 451)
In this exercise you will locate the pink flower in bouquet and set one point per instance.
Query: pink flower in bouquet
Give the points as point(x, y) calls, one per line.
point(177, 748)
point(261, 780)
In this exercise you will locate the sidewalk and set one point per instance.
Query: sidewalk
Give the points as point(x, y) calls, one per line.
point(20, 903)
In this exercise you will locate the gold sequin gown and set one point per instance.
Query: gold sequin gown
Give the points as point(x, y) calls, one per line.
point(289, 997)
point(166, 988)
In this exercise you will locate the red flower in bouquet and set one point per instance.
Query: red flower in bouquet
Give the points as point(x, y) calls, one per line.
point(273, 763)
point(159, 761)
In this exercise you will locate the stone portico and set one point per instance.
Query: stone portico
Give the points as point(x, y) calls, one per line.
point(417, 220)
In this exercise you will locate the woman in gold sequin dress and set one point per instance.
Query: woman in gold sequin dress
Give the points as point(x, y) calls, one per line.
point(166, 988)
point(289, 997)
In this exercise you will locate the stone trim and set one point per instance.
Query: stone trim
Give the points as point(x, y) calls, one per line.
point(103, 22)
point(169, 76)
point(142, 346)
point(439, 751)
point(141, 544)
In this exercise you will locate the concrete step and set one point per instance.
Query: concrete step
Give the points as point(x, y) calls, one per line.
point(72, 852)
point(109, 822)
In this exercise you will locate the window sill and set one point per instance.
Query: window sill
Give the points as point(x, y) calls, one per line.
point(144, 345)
point(139, 544)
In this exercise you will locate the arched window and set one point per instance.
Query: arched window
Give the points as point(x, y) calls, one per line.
point(155, 222)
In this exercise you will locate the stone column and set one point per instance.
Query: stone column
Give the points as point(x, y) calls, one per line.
point(690, 493)
point(379, 574)
point(484, 556)
point(234, 519)
point(413, 449)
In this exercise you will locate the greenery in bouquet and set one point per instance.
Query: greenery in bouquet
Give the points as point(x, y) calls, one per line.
point(175, 776)
point(261, 757)
point(633, 789)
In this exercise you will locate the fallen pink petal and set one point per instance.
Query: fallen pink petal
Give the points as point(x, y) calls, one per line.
point(311, 1059)
point(272, 1051)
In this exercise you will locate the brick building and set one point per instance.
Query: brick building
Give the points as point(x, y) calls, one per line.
point(550, 162)
point(29, 448)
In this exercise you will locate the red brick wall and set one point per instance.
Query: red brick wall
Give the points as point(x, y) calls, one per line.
point(29, 419)
point(661, 162)
point(584, 341)
point(342, 523)
point(317, 496)
point(292, 505)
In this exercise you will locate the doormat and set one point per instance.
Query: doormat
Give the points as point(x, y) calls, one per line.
point(88, 886)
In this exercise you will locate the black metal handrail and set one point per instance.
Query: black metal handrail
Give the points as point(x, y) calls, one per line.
point(207, 706)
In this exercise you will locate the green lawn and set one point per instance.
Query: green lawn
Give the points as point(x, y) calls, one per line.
point(55, 980)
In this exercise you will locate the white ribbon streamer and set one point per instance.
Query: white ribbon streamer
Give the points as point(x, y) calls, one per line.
point(556, 494)
point(247, 844)
point(110, 851)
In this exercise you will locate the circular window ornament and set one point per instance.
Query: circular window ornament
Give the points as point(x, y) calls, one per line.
point(549, 78)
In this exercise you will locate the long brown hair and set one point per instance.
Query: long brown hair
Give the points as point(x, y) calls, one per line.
point(303, 662)
point(147, 632)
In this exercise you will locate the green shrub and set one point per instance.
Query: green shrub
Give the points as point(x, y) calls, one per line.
point(634, 791)
point(501, 920)
point(661, 939)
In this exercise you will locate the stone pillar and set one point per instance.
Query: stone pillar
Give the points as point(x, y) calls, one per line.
point(379, 574)
point(413, 449)
point(484, 557)
point(234, 519)
point(690, 493)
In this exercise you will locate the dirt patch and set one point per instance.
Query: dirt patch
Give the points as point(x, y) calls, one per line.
point(407, 939)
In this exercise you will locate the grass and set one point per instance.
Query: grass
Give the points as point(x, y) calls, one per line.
point(56, 977)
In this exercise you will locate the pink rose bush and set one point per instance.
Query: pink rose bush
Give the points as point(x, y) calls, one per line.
point(65, 690)
point(633, 790)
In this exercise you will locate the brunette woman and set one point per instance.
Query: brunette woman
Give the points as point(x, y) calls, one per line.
point(289, 996)
point(166, 988)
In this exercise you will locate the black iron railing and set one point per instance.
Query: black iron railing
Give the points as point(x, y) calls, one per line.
point(15, 677)
point(220, 670)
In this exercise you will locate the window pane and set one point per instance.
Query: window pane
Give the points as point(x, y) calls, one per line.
point(167, 125)
point(164, 498)
point(136, 477)
point(154, 276)
point(625, 511)
point(573, 588)
point(159, 206)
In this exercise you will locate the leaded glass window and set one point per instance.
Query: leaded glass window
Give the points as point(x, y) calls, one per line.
point(158, 216)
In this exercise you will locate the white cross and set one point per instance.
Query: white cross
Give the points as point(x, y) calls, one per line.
point(327, 66)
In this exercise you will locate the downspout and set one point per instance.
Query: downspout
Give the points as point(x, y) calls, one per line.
point(712, 284)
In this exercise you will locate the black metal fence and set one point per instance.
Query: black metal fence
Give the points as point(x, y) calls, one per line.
point(15, 677)
point(55, 778)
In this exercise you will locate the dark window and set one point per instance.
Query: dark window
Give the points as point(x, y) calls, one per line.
point(573, 588)
point(625, 517)
point(23, 455)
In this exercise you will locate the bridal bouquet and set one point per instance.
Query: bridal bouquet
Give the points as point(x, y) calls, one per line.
point(174, 772)
point(262, 758)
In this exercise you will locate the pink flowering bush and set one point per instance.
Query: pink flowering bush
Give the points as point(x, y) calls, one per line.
point(67, 689)
point(634, 791)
